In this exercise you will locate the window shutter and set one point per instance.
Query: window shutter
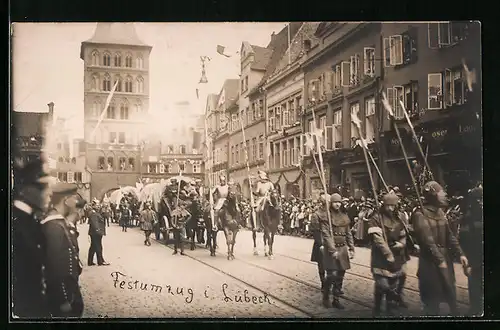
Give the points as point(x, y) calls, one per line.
point(366, 61)
point(345, 70)
point(329, 137)
point(434, 90)
point(387, 52)
point(396, 43)
point(433, 35)
point(71, 177)
point(321, 85)
point(448, 88)
point(390, 99)
point(328, 82)
point(310, 90)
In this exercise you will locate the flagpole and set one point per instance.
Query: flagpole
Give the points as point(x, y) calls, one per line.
point(254, 220)
point(209, 158)
point(103, 113)
point(322, 174)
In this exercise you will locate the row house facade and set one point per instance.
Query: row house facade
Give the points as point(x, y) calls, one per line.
point(423, 69)
point(341, 76)
point(285, 103)
point(254, 60)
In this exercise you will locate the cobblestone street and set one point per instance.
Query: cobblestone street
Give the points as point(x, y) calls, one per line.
point(151, 282)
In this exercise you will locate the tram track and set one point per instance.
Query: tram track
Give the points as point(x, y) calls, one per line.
point(459, 301)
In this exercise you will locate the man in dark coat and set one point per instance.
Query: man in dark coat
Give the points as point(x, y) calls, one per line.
point(125, 215)
point(337, 250)
point(29, 285)
point(471, 240)
point(388, 254)
point(97, 229)
point(435, 273)
point(316, 255)
point(62, 253)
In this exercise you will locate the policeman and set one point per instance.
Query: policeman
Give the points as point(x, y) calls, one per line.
point(62, 253)
point(28, 244)
point(337, 250)
point(388, 253)
point(97, 229)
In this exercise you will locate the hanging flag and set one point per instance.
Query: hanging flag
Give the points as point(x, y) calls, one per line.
point(221, 49)
point(197, 93)
point(309, 141)
point(470, 76)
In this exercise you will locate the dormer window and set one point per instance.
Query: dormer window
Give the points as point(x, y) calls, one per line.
point(307, 45)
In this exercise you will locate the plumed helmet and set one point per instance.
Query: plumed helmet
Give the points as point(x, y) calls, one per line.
point(262, 174)
point(336, 198)
point(390, 199)
point(431, 188)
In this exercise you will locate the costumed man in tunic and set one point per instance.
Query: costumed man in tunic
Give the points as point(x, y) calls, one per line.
point(471, 240)
point(125, 215)
point(262, 192)
point(388, 253)
point(435, 273)
point(316, 255)
point(62, 253)
point(147, 219)
point(179, 217)
point(221, 192)
point(337, 250)
point(29, 281)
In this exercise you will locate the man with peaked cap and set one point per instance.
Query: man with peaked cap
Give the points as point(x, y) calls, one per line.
point(30, 202)
point(97, 229)
point(471, 240)
point(437, 243)
point(337, 250)
point(388, 254)
point(62, 253)
point(316, 255)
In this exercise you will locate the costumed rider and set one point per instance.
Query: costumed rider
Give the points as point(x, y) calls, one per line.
point(262, 192)
point(337, 250)
point(388, 254)
point(221, 192)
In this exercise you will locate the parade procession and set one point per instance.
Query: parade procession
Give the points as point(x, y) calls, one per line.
point(335, 172)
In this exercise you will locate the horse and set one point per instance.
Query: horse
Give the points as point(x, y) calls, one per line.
point(230, 218)
point(269, 220)
point(211, 231)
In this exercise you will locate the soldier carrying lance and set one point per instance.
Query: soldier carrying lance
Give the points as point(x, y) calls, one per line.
point(263, 190)
point(221, 193)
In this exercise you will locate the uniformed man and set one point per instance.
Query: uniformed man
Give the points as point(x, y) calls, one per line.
point(147, 219)
point(437, 243)
point(221, 192)
point(262, 192)
point(471, 240)
point(337, 250)
point(125, 215)
point(30, 202)
point(97, 229)
point(62, 253)
point(388, 254)
point(316, 255)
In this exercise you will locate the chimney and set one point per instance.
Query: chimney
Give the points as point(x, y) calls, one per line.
point(51, 111)
point(273, 36)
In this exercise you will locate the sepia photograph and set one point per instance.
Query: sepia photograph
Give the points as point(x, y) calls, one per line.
point(242, 170)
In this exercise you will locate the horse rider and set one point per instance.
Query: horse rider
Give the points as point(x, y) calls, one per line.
point(337, 250)
point(388, 254)
point(263, 191)
point(221, 192)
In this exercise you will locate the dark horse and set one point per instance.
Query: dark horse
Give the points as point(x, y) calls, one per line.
point(211, 229)
point(230, 218)
point(269, 220)
point(190, 225)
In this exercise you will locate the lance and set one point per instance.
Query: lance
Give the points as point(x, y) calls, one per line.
point(103, 113)
point(208, 144)
point(254, 215)
point(355, 120)
point(322, 174)
point(412, 129)
point(364, 145)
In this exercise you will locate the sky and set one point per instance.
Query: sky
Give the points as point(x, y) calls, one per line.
point(47, 66)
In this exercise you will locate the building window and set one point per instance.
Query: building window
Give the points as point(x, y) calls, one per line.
point(411, 97)
point(95, 58)
point(370, 119)
point(110, 112)
point(123, 163)
point(277, 156)
point(140, 85)
point(444, 34)
point(78, 177)
point(124, 112)
point(182, 167)
point(395, 95)
point(345, 74)
point(337, 77)
point(455, 87)
point(94, 84)
point(254, 149)
point(182, 149)
point(131, 164)
point(128, 84)
point(400, 49)
point(354, 109)
point(354, 70)
point(237, 156)
point(196, 168)
point(62, 176)
point(121, 137)
point(170, 149)
point(118, 60)
point(118, 82)
point(435, 91)
point(106, 83)
point(112, 137)
point(73, 160)
point(128, 61)
point(140, 62)
point(111, 163)
point(138, 107)
point(152, 168)
point(162, 168)
point(106, 59)
point(369, 61)
point(101, 163)
point(169, 168)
